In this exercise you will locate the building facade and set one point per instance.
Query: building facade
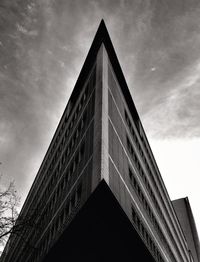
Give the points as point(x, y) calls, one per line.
point(186, 219)
point(99, 138)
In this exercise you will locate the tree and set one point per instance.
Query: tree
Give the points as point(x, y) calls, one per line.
point(12, 223)
point(9, 202)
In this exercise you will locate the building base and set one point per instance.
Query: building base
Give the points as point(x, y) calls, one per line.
point(101, 231)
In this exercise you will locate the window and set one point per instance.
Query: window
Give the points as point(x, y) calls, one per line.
point(63, 217)
point(129, 146)
point(57, 224)
point(79, 191)
point(72, 143)
point(77, 159)
point(67, 209)
point(82, 149)
point(77, 133)
point(63, 159)
point(67, 176)
point(68, 151)
point(67, 132)
point(75, 115)
point(133, 214)
point(84, 97)
point(82, 124)
point(73, 200)
point(130, 174)
point(73, 166)
point(126, 115)
point(71, 169)
point(62, 184)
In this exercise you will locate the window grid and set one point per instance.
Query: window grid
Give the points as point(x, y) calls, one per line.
point(146, 236)
point(57, 225)
point(145, 205)
point(154, 168)
point(142, 174)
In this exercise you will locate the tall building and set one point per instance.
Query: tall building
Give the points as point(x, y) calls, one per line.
point(186, 219)
point(98, 195)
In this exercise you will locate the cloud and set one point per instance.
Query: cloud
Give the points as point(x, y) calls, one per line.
point(178, 113)
point(157, 43)
point(167, 96)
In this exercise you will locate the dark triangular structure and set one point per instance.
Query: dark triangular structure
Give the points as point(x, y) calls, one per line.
point(98, 195)
point(100, 232)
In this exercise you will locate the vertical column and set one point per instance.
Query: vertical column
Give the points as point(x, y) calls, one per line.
point(100, 145)
point(96, 163)
point(104, 120)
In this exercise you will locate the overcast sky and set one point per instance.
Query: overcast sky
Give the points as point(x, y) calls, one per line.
point(43, 45)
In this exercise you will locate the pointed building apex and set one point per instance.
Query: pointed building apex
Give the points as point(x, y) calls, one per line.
point(101, 33)
point(102, 22)
point(102, 37)
point(102, 26)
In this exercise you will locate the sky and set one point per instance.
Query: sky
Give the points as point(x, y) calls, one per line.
point(43, 45)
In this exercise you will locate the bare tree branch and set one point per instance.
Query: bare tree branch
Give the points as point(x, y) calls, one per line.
point(9, 202)
point(12, 225)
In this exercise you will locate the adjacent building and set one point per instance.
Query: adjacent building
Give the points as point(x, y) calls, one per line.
point(99, 195)
point(186, 219)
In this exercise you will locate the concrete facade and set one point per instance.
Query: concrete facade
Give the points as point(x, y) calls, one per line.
point(99, 138)
point(186, 219)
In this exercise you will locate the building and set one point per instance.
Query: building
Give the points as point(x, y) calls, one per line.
point(98, 195)
point(186, 219)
